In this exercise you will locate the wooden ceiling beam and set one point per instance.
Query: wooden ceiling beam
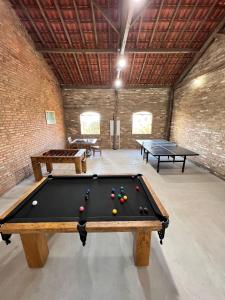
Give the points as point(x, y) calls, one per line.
point(107, 18)
point(26, 12)
point(202, 22)
point(115, 51)
point(201, 51)
point(131, 69)
point(78, 67)
point(143, 67)
point(99, 68)
point(156, 23)
point(79, 23)
point(89, 67)
point(63, 23)
point(129, 86)
point(141, 12)
point(187, 23)
point(171, 22)
point(94, 22)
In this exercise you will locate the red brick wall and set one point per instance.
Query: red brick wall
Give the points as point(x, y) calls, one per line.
point(199, 109)
point(27, 89)
point(154, 100)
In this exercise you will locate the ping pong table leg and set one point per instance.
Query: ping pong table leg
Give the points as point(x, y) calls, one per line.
point(183, 164)
point(141, 149)
point(147, 157)
point(158, 164)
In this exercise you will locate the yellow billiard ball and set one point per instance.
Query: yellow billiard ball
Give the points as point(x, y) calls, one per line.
point(114, 211)
point(125, 197)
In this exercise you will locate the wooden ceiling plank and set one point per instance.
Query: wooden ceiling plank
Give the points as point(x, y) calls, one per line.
point(156, 23)
point(107, 18)
point(201, 51)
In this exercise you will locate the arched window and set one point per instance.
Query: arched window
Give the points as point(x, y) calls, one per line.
point(90, 123)
point(142, 122)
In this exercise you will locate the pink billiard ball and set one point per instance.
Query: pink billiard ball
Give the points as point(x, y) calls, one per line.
point(137, 188)
point(82, 208)
point(122, 200)
point(112, 196)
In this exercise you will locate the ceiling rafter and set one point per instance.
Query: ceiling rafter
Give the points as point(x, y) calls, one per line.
point(89, 67)
point(94, 23)
point(143, 67)
point(131, 69)
point(39, 35)
point(171, 22)
point(26, 12)
point(79, 23)
point(141, 12)
point(105, 15)
point(201, 51)
point(152, 69)
point(156, 23)
point(202, 23)
point(99, 68)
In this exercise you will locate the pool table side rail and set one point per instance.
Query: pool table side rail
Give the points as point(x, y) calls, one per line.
point(109, 226)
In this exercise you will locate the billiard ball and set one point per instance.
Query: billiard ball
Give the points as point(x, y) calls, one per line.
point(137, 188)
point(125, 197)
point(112, 196)
point(81, 209)
point(122, 200)
point(146, 210)
point(121, 188)
point(88, 191)
point(119, 196)
point(132, 176)
point(34, 203)
point(114, 211)
point(113, 190)
point(141, 210)
point(122, 192)
point(86, 197)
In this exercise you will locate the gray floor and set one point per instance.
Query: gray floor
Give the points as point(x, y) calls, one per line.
point(190, 265)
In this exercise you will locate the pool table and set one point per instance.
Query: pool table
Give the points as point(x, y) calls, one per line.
point(53, 205)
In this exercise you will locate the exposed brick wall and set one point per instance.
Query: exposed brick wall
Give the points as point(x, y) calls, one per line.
point(103, 101)
point(199, 110)
point(27, 89)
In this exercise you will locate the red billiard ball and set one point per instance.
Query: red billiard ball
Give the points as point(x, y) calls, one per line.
point(137, 188)
point(82, 209)
point(122, 200)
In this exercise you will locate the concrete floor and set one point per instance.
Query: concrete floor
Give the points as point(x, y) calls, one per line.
point(189, 266)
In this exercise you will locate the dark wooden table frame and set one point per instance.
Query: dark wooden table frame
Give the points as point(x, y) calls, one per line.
point(34, 241)
point(62, 156)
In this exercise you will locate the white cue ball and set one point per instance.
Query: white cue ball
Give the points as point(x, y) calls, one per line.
point(34, 202)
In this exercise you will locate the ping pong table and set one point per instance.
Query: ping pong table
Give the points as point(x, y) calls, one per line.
point(163, 148)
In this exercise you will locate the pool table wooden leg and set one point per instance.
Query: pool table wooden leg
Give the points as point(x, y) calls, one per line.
point(35, 248)
point(49, 167)
point(37, 170)
point(78, 165)
point(142, 246)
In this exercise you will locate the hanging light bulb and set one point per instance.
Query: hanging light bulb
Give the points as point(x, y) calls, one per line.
point(118, 83)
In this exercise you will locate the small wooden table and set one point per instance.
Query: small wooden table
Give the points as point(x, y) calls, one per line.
point(60, 156)
point(83, 143)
